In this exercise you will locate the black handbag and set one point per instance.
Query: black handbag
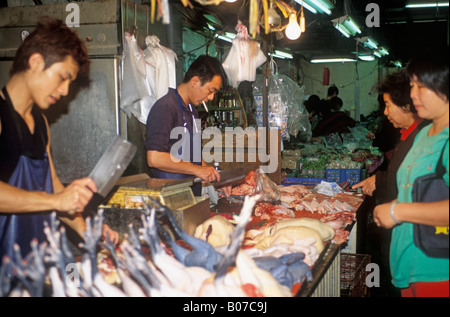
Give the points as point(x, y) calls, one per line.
point(433, 241)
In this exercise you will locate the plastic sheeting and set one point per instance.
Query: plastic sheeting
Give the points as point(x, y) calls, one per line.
point(162, 61)
point(286, 109)
point(146, 75)
point(244, 57)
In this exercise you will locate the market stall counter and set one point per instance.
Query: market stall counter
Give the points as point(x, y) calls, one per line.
point(277, 228)
point(288, 219)
point(264, 249)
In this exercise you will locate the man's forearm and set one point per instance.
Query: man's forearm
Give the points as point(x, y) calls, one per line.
point(167, 163)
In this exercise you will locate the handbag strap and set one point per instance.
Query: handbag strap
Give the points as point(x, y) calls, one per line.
point(440, 169)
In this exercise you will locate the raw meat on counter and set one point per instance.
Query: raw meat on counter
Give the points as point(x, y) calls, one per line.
point(247, 187)
point(297, 201)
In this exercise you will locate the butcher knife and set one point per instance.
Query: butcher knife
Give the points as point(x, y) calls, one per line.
point(231, 177)
point(109, 169)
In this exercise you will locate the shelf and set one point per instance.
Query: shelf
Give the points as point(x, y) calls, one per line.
point(219, 109)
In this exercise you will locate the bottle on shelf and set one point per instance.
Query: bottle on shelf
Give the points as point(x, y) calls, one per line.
point(221, 99)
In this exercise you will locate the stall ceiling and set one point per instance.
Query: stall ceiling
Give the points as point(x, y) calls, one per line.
point(401, 30)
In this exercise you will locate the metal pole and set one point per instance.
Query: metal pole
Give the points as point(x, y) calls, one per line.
point(265, 90)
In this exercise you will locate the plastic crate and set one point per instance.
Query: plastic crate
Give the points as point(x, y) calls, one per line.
point(302, 181)
point(333, 175)
point(352, 176)
point(353, 275)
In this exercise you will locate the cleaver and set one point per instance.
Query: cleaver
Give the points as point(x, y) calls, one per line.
point(109, 169)
point(229, 177)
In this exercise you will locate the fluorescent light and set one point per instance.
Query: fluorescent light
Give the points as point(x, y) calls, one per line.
point(342, 29)
point(429, 21)
point(397, 22)
point(224, 38)
point(371, 43)
point(230, 35)
point(306, 6)
point(383, 51)
point(332, 60)
point(427, 5)
point(321, 5)
point(367, 58)
point(346, 26)
point(286, 55)
point(352, 25)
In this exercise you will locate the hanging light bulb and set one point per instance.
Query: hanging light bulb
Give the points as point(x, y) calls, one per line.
point(302, 22)
point(293, 30)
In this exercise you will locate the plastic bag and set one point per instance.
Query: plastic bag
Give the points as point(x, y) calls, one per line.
point(161, 63)
point(349, 142)
point(360, 133)
point(333, 141)
point(286, 109)
point(244, 57)
point(137, 96)
point(265, 187)
point(327, 188)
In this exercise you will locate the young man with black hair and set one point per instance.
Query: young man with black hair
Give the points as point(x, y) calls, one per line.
point(172, 138)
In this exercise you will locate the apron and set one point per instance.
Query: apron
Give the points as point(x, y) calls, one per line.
point(31, 174)
point(184, 153)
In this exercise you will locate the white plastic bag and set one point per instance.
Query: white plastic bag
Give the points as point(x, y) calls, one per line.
point(161, 63)
point(244, 57)
point(136, 93)
point(328, 188)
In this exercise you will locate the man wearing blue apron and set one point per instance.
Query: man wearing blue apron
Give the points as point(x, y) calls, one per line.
point(173, 140)
point(48, 60)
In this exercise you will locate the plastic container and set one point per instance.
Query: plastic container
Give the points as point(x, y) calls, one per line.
point(353, 275)
point(302, 181)
point(351, 176)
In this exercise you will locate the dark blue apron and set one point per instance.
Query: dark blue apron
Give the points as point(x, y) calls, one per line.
point(31, 174)
point(184, 153)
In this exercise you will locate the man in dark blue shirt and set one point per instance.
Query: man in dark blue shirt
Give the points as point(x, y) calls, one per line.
point(173, 141)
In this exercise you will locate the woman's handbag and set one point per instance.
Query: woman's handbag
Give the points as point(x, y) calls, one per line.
point(433, 241)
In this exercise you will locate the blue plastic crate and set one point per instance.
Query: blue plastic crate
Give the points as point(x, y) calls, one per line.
point(334, 175)
point(302, 181)
point(352, 176)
